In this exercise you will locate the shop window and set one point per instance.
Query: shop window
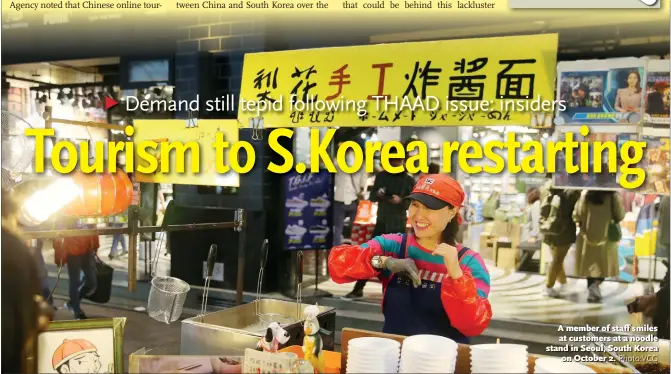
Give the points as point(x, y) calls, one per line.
point(149, 71)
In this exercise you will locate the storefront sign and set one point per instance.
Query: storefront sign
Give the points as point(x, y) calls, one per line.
point(202, 132)
point(307, 217)
point(405, 84)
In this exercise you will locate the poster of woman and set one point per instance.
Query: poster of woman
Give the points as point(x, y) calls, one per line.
point(601, 91)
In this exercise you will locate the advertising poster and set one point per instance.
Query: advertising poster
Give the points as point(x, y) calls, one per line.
point(307, 217)
point(296, 85)
point(656, 164)
point(657, 94)
point(591, 180)
point(601, 92)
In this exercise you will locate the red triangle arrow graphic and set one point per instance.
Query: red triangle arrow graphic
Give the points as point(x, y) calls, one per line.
point(109, 103)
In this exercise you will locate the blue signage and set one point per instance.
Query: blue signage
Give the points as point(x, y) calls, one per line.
point(307, 211)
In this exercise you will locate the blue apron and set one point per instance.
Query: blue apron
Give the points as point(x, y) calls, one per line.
point(413, 311)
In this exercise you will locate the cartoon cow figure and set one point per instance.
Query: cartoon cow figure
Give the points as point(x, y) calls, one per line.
point(275, 335)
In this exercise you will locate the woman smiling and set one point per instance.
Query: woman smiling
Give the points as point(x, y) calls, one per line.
point(431, 283)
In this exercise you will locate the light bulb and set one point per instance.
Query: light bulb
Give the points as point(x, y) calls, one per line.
point(41, 204)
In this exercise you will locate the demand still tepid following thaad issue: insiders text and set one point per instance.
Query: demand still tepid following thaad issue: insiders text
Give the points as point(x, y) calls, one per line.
point(229, 103)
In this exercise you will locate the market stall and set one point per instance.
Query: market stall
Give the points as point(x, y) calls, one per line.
point(368, 351)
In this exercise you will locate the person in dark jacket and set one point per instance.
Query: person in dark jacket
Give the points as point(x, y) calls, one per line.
point(656, 106)
point(560, 243)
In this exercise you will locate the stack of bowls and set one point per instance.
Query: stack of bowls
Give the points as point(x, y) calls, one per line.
point(499, 358)
point(373, 355)
point(428, 354)
point(555, 365)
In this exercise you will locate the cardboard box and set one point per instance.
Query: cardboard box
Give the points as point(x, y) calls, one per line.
point(488, 246)
point(509, 232)
point(507, 256)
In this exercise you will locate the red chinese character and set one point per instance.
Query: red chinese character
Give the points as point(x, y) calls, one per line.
point(380, 81)
point(339, 79)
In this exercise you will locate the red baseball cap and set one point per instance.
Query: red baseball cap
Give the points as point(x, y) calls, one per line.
point(436, 191)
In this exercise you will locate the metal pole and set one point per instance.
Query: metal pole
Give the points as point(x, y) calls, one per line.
point(134, 229)
point(316, 271)
point(47, 234)
point(132, 249)
point(240, 218)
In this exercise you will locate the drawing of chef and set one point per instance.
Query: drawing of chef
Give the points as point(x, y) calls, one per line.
point(76, 356)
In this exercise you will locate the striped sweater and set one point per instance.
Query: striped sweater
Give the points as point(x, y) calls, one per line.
point(431, 268)
point(464, 299)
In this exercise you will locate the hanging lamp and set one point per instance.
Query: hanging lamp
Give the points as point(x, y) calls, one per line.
point(101, 195)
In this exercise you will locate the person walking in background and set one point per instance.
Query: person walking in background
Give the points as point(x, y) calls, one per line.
point(388, 191)
point(531, 232)
point(78, 252)
point(558, 236)
point(596, 254)
point(119, 238)
point(349, 189)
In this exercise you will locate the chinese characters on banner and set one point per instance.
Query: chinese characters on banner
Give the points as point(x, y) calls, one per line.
point(469, 71)
point(204, 133)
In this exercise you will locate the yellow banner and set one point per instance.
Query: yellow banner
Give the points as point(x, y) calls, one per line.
point(183, 133)
point(488, 81)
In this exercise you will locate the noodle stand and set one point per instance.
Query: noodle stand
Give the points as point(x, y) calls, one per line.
point(240, 327)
